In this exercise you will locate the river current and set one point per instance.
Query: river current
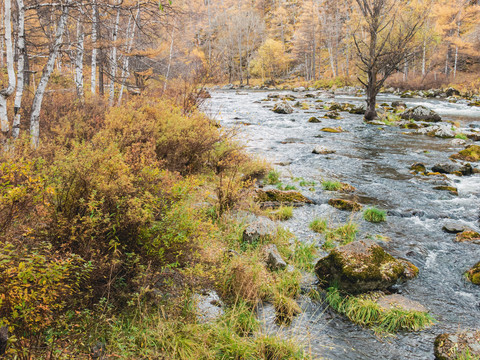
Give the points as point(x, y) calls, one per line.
point(376, 160)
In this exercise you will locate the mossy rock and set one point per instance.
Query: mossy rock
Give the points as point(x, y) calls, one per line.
point(360, 267)
point(418, 167)
point(468, 236)
point(474, 274)
point(456, 346)
point(346, 205)
point(278, 196)
point(471, 153)
point(332, 115)
point(347, 188)
point(332, 130)
point(453, 190)
point(314, 120)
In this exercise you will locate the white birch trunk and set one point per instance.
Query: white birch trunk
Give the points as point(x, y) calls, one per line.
point(47, 71)
point(424, 58)
point(169, 59)
point(20, 68)
point(113, 69)
point(125, 68)
point(6, 92)
point(79, 59)
point(94, 47)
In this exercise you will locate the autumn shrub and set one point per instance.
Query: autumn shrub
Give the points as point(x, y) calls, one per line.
point(37, 285)
point(151, 131)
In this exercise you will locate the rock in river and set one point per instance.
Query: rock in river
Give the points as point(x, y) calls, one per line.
point(283, 108)
point(468, 236)
point(452, 227)
point(452, 346)
point(420, 113)
point(474, 274)
point(346, 205)
point(362, 266)
point(274, 198)
point(452, 168)
point(396, 301)
point(322, 150)
point(471, 153)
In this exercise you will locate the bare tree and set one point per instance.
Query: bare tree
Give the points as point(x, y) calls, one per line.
point(390, 28)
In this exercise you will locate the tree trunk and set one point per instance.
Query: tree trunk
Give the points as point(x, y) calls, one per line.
point(20, 69)
point(170, 56)
point(47, 71)
point(113, 68)
point(79, 59)
point(424, 57)
point(371, 112)
point(6, 92)
point(126, 61)
point(94, 47)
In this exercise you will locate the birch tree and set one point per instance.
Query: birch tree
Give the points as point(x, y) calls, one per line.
point(46, 73)
point(20, 68)
point(6, 92)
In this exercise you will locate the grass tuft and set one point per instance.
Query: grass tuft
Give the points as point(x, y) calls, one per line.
point(318, 225)
point(374, 215)
point(273, 177)
point(332, 185)
point(364, 311)
point(344, 234)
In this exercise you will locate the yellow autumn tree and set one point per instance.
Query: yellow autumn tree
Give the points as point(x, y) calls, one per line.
point(271, 60)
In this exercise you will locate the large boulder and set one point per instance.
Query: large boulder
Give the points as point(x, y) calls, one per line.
point(283, 108)
point(456, 346)
point(261, 229)
point(362, 266)
point(420, 113)
point(359, 109)
point(453, 227)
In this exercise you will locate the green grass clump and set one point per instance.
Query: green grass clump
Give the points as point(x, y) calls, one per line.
point(329, 244)
point(282, 187)
point(344, 234)
point(304, 255)
point(307, 183)
point(318, 225)
point(273, 177)
point(332, 185)
point(282, 213)
point(461, 136)
point(375, 215)
point(364, 311)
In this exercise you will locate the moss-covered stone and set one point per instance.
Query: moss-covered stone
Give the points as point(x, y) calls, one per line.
point(313, 119)
point(468, 236)
point(453, 190)
point(279, 196)
point(474, 274)
point(347, 205)
point(332, 115)
point(471, 153)
point(332, 130)
point(359, 267)
point(418, 167)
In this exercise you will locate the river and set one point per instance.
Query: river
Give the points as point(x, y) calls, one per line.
point(376, 160)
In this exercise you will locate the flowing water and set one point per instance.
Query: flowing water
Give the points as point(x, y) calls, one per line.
point(376, 161)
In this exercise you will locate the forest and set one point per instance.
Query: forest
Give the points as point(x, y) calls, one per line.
point(137, 222)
